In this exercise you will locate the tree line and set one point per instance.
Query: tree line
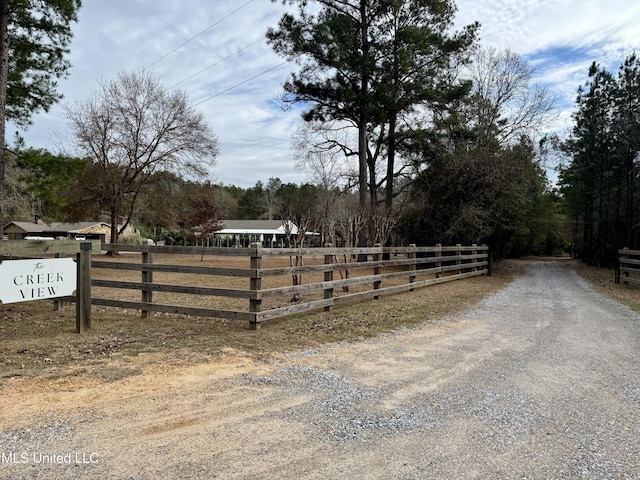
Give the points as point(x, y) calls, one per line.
point(175, 210)
point(442, 131)
point(600, 183)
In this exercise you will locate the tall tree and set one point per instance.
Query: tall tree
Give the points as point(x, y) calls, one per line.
point(34, 39)
point(476, 168)
point(130, 129)
point(332, 48)
point(601, 181)
point(271, 201)
point(590, 145)
point(367, 62)
point(627, 130)
point(417, 51)
point(505, 103)
point(318, 155)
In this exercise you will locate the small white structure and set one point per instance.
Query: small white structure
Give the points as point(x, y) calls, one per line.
point(242, 233)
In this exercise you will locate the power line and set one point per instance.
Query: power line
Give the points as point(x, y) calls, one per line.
point(239, 84)
point(199, 34)
point(216, 63)
point(208, 67)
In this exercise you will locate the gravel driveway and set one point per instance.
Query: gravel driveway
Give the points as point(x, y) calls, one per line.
point(540, 381)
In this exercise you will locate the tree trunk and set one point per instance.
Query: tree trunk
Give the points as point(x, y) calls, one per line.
point(363, 114)
point(113, 213)
point(391, 154)
point(4, 74)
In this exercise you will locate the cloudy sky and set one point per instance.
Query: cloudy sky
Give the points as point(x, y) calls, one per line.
point(215, 51)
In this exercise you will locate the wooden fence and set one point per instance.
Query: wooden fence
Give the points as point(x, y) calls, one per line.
point(628, 269)
point(257, 284)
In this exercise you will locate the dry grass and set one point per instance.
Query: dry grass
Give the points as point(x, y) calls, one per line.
point(38, 341)
point(603, 279)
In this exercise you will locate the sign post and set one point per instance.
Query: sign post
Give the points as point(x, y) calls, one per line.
point(83, 293)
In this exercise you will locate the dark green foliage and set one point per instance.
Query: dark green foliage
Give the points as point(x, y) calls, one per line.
point(251, 204)
point(34, 39)
point(39, 37)
point(371, 64)
point(499, 199)
point(601, 182)
point(48, 178)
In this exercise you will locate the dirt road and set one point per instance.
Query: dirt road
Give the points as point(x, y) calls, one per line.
point(540, 381)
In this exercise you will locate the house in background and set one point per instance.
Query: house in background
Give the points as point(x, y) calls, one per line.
point(58, 230)
point(242, 233)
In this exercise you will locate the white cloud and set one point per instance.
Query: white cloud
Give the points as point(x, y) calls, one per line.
point(560, 37)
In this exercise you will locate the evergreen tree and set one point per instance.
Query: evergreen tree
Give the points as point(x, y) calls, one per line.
point(368, 63)
point(34, 40)
point(601, 181)
point(48, 178)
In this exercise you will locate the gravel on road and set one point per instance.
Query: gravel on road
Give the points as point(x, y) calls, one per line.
point(540, 381)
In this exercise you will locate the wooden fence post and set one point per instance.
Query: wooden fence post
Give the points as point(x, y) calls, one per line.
point(438, 262)
point(255, 284)
point(377, 270)
point(328, 277)
point(624, 256)
point(83, 291)
point(147, 277)
point(474, 260)
point(489, 259)
point(458, 255)
point(413, 266)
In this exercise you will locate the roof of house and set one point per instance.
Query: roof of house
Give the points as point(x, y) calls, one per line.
point(56, 227)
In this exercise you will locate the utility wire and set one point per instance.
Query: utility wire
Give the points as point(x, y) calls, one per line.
point(216, 63)
point(239, 84)
point(201, 33)
point(210, 66)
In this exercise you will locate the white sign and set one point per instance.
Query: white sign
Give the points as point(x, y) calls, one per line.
point(35, 279)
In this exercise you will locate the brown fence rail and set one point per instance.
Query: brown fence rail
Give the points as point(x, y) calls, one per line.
point(257, 284)
point(628, 270)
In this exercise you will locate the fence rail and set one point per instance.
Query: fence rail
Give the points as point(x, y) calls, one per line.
point(267, 283)
point(628, 270)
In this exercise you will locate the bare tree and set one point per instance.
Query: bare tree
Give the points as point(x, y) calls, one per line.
point(383, 221)
point(131, 128)
point(506, 103)
point(205, 219)
point(298, 206)
point(320, 149)
point(270, 196)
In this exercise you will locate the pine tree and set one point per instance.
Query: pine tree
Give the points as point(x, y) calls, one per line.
point(367, 63)
point(34, 40)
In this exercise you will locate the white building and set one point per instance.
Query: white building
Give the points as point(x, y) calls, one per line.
point(242, 233)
